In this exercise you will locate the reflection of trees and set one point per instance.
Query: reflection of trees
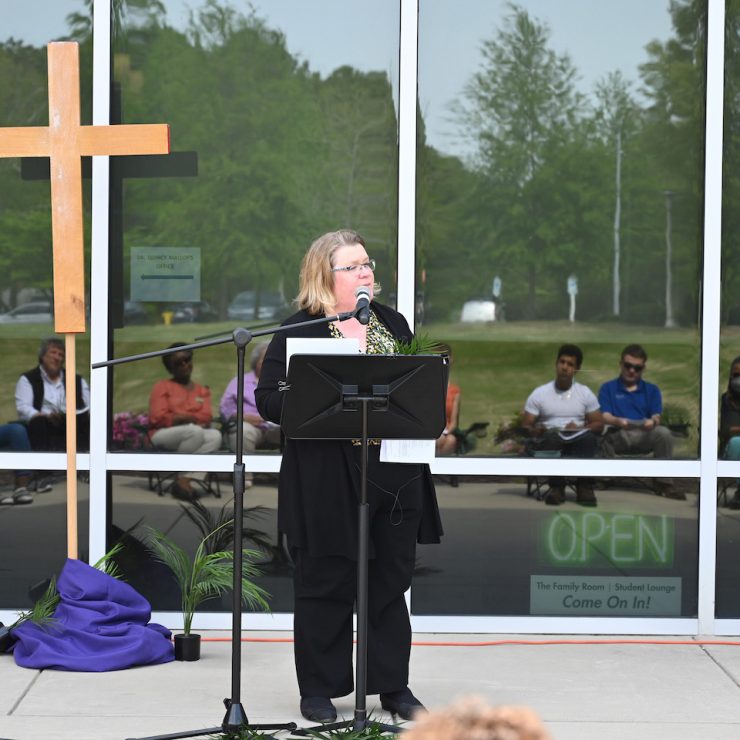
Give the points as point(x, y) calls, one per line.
point(282, 154)
point(523, 107)
point(731, 173)
point(25, 210)
point(559, 186)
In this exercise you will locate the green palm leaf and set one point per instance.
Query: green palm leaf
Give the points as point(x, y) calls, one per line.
point(208, 574)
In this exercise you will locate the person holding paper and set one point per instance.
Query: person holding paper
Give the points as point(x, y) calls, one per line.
point(563, 416)
point(632, 409)
point(318, 494)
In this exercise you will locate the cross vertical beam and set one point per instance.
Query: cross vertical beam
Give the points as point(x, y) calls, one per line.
point(65, 141)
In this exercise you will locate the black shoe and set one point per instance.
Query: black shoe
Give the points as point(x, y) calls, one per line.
point(318, 709)
point(668, 490)
point(555, 496)
point(402, 703)
point(585, 494)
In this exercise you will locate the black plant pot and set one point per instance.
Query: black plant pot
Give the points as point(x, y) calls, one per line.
point(187, 647)
point(6, 640)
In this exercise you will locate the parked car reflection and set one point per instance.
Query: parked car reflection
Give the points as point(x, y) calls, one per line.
point(188, 313)
point(478, 310)
point(243, 307)
point(134, 313)
point(37, 312)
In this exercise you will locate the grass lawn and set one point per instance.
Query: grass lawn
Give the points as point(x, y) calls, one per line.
point(497, 366)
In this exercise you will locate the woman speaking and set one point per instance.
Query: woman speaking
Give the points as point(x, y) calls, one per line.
point(318, 495)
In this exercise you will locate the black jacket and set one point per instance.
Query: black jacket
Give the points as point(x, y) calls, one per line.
point(319, 484)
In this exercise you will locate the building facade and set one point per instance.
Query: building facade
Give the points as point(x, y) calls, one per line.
point(525, 176)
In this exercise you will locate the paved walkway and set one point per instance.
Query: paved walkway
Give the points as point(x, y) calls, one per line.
point(607, 691)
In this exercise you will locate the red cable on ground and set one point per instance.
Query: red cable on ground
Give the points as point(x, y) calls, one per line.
point(494, 643)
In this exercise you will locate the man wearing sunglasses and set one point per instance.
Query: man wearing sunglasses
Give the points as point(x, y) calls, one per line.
point(633, 407)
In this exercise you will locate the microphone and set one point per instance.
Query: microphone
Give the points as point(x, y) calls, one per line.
point(362, 309)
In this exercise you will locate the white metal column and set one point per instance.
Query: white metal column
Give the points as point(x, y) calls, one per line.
point(99, 283)
point(407, 97)
point(711, 302)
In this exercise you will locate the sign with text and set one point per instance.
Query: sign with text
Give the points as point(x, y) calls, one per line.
point(605, 596)
point(165, 274)
point(597, 539)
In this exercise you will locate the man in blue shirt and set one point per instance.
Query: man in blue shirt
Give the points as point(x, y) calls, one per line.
point(633, 407)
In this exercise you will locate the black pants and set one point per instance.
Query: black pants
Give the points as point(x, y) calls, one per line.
point(47, 437)
point(583, 446)
point(325, 590)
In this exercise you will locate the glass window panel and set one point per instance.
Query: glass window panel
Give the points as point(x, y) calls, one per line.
point(26, 286)
point(551, 204)
point(278, 137)
point(727, 597)
point(508, 553)
point(26, 289)
point(727, 604)
point(27, 566)
point(143, 500)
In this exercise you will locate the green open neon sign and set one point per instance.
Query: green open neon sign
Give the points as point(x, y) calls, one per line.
point(592, 538)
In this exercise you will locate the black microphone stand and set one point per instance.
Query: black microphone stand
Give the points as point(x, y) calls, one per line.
point(235, 720)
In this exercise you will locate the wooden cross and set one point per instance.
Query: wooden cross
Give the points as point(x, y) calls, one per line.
point(64, 141)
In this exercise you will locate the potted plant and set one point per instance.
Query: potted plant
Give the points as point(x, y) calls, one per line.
point(206, 575)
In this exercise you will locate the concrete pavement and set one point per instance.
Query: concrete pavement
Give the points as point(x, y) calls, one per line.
point(609, 691)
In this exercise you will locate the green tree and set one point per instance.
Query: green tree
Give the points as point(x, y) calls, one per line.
point(522, 108)
point(731, 168)
point(674, 80)
point(616, 115)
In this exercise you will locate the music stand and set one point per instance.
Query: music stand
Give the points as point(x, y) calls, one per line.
point(358, 397)
point(235, 720)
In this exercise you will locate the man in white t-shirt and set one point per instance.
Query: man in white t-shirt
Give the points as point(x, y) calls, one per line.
point(564, 416)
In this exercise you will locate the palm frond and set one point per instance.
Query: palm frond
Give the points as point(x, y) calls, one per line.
point(208, 574)
point(420, 344)
point(170, 554)
point(108, 562)
point(42, 612)
point(209, 522)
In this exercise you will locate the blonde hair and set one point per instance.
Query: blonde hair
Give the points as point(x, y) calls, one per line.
point(316, 291)
point(473, 719)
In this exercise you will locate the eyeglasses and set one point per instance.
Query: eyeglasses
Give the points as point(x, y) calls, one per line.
point(369, 265)
point(183, 361)
point(630, 366)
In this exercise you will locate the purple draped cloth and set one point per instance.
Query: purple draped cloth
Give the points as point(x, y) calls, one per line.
point(100, 624)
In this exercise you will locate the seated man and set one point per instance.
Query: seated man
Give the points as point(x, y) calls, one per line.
point(564, 415)
point(257, 431)
point(40, 400)
point(633, 406)
point(180, 416)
